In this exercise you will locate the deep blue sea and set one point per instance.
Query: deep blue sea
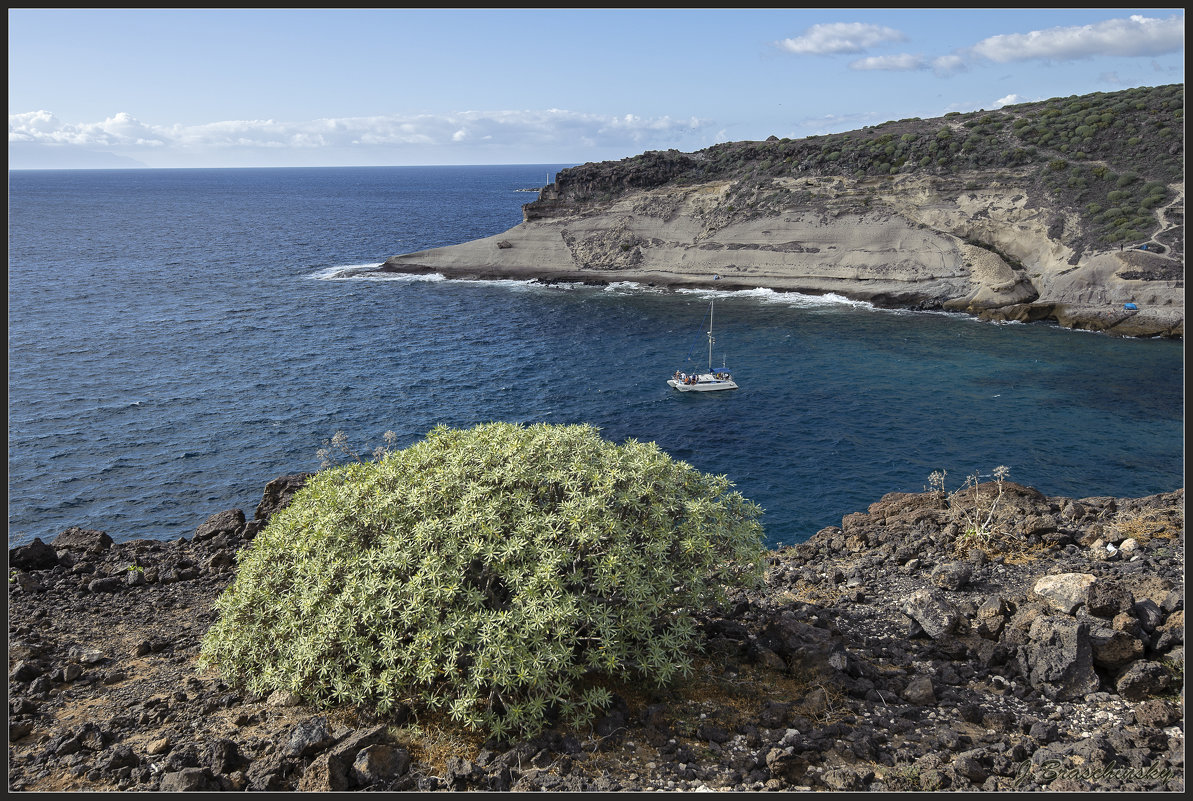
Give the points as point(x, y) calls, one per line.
point(177, 339)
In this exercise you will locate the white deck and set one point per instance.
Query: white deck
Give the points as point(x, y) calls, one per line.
point(705, 382)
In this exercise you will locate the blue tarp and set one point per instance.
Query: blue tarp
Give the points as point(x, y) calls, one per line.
point(1131, 306)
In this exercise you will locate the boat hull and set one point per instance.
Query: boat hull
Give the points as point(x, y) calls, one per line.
point(705, 383)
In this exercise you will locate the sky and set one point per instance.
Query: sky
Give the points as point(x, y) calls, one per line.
point(96, 88)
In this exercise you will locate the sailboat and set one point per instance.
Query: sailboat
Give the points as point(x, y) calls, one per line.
point(704, 382)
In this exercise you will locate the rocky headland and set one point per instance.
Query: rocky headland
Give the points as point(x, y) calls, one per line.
point(896, 651)
point(1070, 211)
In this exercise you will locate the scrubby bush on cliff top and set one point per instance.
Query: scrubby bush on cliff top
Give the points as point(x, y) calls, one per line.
point(496, 573)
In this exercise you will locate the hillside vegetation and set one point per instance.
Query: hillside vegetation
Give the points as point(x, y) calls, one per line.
point(1109, 160)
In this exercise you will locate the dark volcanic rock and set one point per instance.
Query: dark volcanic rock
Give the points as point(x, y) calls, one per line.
point(278, 493)
point(933, 613)
point(1058, 661)
point(82, 539)
point(308, 738)
point(1142, 680)
point(227, 522)
point(810, 682)
point(35, 555)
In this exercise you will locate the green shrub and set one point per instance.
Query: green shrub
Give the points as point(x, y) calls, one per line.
point(497, 573)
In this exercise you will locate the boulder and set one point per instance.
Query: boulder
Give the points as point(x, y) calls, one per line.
point(282, 698)
point(106, 584)
point(379, 763)
point(1112, 648)
point(1173, 601)
point(1142, 680)
point(35, 555)
point(1171, 633)
point(334, 768)
point(1124, 621)
point(1058, 658)
point(1108, 598)
point(228, 522)
point(991, 617)
point(1149, 614)
point(26, 670)
point(952, 576)
point(82, 539)
point(934, 613)
point(969, 765)
point(800, 644)
point(25, 582)
point(919, 692)
point(461, 773)
point(326, 773)
point(278, 493)
point(188, 780)
point(843, 779)
point(308, 738)
point(1157, 713)
point(222, 756)
point(785, 765)
point(1066, 591)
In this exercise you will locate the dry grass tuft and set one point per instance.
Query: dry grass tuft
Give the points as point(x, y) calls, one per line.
point(1165, 524)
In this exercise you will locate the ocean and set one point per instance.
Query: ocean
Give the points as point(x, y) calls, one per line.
point(178, 338)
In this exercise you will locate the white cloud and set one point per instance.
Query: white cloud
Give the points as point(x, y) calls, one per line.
point(905, 62)
point(119, 129)
point(1009, 100)
point(551, 127)
point(1126, 37)
point(1136, 36)
point(840, 37)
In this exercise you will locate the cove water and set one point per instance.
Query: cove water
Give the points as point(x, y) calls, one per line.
point(178, 338)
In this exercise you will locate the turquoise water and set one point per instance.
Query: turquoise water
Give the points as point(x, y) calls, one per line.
point(178, 338)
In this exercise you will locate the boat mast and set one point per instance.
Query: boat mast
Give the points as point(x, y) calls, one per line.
point(710, 339)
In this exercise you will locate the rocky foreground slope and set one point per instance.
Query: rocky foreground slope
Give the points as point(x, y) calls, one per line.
point(891, 652)
point(1003, 214)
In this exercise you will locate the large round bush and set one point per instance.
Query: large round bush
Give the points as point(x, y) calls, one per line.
point(496, 572)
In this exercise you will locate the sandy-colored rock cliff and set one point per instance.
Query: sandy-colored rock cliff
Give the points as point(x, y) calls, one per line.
point(906, 241)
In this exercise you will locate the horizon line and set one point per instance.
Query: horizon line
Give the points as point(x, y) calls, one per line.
point(295, 167)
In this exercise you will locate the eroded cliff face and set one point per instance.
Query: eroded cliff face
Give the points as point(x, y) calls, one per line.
point(962, 243)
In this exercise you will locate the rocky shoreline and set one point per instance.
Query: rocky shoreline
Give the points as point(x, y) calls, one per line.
point(892, 652)
point(907, 242)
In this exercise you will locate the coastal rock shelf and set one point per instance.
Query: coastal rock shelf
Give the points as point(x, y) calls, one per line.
point(892, 652)
point(906, 241)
